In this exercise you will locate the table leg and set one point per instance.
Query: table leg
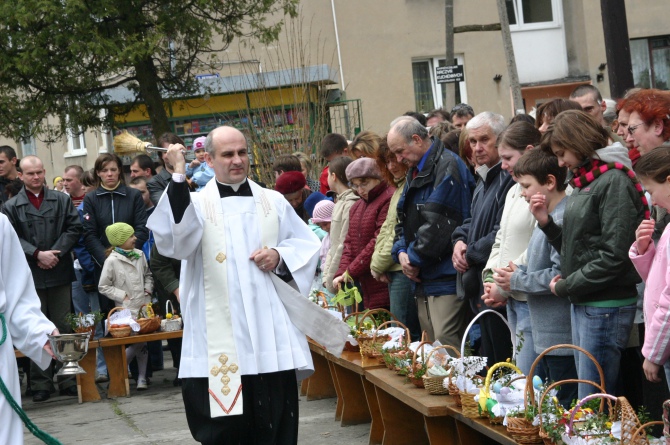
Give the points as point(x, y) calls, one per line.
point(86, 389)
point(377, 426)
point(338, 390)
point(442, 431)
point(469, 435)
point(117, 366)
point(355, 408)
point(402, 424)
point(320, 383)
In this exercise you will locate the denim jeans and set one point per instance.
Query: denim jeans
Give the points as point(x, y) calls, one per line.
point(86, 302)
point(604, 332)
point(518, 317)
point(561, 367)
point(403, 303)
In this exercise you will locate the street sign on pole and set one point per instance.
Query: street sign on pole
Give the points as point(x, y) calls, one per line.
point(449, 74)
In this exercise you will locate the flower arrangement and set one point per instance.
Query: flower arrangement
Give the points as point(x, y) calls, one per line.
point(84, 322)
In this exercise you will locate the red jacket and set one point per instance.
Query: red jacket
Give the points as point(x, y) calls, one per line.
point(365, 221)
point(323, 180)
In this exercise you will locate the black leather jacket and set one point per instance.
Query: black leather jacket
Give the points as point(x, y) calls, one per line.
point(102, 208)
point(55, 226)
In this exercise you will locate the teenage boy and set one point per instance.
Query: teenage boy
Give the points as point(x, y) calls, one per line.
point(543, 186)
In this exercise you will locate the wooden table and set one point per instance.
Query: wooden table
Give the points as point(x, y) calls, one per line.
point(115, 356)
point(319, 385)
point(412, 415)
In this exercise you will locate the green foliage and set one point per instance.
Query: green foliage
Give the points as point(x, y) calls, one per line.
point(60, 58)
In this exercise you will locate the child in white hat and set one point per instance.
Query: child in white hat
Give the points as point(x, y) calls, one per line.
point(126, 279)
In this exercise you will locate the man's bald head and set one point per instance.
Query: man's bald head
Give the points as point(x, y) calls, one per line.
point(32, 174)
point(226, 149)
point(32, 161)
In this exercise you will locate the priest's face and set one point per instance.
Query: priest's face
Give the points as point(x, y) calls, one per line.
point(230, 161)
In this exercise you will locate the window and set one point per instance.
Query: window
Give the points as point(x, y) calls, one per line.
point(76, 144)
point(428, 94)
point(532, 14)
point(651, 62)
point(28, 147)
point(107, 137)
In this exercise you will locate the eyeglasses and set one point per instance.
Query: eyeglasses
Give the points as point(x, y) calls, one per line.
point(632, 128)
point(360, 186)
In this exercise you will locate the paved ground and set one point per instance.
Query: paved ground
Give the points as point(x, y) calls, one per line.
point(156, 416)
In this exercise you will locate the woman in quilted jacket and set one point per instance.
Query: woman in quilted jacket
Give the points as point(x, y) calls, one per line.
point(366, 218)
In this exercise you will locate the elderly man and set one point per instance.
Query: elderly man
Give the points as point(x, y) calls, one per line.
point(244, 327)
point(474, 239)
point(435, 201)
point(48, 226)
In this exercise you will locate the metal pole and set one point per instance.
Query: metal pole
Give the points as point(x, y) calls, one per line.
point(450, 91)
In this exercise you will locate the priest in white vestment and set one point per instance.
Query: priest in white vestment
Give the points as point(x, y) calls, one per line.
point(26, 326)
point(240, 351)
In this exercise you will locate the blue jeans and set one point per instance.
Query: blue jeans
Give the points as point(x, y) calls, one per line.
point(561, 367)
point(403, 303)
point(518, 317)
point(604, 332)
point(86, 302)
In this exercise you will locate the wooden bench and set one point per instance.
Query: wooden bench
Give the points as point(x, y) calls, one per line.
point(412, 415)
point(117, 365)
point(319, 385)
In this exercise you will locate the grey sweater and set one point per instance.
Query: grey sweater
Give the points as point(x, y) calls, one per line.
point(549, 314)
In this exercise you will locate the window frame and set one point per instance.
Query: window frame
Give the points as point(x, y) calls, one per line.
point(436, 87)
point(556, 13)
point(31, 143)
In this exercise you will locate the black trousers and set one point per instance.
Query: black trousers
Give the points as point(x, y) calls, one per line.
point(270, 403)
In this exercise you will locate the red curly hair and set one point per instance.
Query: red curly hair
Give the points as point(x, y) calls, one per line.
point(651, 105)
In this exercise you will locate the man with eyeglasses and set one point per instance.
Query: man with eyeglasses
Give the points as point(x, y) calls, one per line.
point(461, 115)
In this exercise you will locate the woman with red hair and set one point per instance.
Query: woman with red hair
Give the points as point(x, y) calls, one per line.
point(649, 120)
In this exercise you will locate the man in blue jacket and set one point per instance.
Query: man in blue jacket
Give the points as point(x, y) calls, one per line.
point(435, 201)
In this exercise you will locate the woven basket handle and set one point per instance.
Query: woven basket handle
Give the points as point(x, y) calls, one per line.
point(640, 436)
point(406, 339)
point(583, 401)
point(109, 315)
point(489, 311)
point(421, 346)
point(489, 375)
point(369, 314)
point(529, 380)
point(167, 311)
point(563, 382)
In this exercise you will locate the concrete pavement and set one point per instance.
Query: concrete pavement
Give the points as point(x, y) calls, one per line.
point(156, 416)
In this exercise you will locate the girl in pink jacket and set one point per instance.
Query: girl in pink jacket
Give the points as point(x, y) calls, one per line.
point(652, 263)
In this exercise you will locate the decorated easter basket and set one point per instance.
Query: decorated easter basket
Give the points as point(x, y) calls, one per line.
point(171, 324)
point(435, 384)
point(388, 356)
point(117, 331)
point(640, 436)
point(370, 343)
point(149, 323)
point(485, 393)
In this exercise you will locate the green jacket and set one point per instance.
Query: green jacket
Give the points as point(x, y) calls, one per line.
point(381, 258)
point(598, 229)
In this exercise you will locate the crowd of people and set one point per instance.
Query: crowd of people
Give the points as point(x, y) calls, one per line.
point(557, 221)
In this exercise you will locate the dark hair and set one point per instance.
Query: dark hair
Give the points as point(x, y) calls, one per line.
point(519, 135)
point(339, 167)
point(384, 156)
point(286, 163)
point(540, 165)
point(583, 90)
point(576, 131)
point(522, 117)
point(169, 138)
point(13, 187)
point(462, 110)
point(439, 112)
point(89, 179)
point(552, 108)
point(654, 165)
point(138, 180)
point(333, 144)
point(78, 168)
point(106, 158)
point(8, 151)
point(451, 141)
point(144, 162)
point(418, 116)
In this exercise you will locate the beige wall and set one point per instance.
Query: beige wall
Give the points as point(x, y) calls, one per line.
point(647, 18)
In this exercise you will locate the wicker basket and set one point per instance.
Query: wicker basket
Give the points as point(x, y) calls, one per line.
point(172, 324)
point(622, 411)
point(435, 385)
point(640, 436)
point(149, 324)
point(370, 344)
point(454, 393)
point(530, 394)
point(117, 332)
point(485, 393)
point(523, 431)
point(90, 330)
point(469, 407)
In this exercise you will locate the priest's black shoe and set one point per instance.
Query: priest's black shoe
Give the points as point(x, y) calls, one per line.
point(71, 391)
point(41, 396)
